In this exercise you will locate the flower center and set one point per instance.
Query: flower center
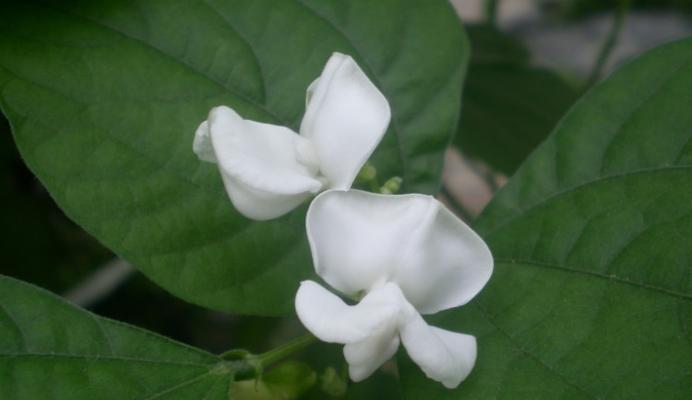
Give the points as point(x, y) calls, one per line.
point(307, 157)
point(306, 154)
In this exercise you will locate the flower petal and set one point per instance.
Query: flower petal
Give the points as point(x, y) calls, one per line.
point(445, 263)
point(360, 240)
point(357, 238)
point(259, 164)
point(202, 144)
point(258, 204)
point(331, 320)
point(345, 118)
point(366, 356)
point(445, 356)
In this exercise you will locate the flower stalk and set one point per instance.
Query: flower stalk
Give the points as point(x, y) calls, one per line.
point(277, 354)
point(253, 365)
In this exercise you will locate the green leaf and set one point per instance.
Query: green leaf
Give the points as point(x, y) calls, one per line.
point(36, 234)
point(591, 295)
point(50, 349)
point(104, 98)
point(509, 106)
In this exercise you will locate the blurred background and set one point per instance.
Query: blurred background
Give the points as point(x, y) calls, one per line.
point(531, 59)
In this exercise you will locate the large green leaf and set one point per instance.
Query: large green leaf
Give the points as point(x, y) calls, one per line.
point(509, 106)
point(50, 349)
point(37, 242)
point(104, 97)
point(592, 291)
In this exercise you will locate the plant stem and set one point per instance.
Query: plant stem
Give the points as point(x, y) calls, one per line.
point(491, 7)
point(101, 283)
point(608, 44)
point(274, 355)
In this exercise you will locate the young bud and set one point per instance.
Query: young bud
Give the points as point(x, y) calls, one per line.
point(392, 185)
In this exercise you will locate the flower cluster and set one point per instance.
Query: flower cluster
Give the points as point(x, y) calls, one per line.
point(397, 256)
point(268, 170)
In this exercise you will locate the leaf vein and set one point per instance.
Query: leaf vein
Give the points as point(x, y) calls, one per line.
point(233, 91)
point(528, 354)
point(611, 278)
point(101, 358)
point(179, 386)
point(247, 43)
point(547, 200)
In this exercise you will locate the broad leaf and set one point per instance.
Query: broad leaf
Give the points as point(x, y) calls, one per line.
point(36, 234)
point(50, 349)
point(591, 295)
point(509, 106)
point(104, 98)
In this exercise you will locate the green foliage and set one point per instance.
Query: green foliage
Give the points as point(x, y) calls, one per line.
point(37, 242)
point(287, 381)
point(50, 349)
point(591, 296)
point(509, 107)
point(104, 97)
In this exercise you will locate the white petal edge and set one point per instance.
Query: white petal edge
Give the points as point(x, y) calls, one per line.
point(444, 356)
point(356, 238)
point(202, 143)
point(259, 164)
point(345, 118)
point(258, 204)
point(360, 240)
point(366, 356)
point(331, 320)
point(445, 263)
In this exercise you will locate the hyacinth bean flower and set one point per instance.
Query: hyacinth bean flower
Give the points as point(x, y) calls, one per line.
point(268, 170)
point(399, 256)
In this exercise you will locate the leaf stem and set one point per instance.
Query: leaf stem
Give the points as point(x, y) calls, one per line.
point(101, 283)
point(277, 354)
point(491, 7)
point(608, 44)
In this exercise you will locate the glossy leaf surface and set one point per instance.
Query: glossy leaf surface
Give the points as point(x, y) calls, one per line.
point(104, 98)
point(50, 349)
point(591, 295)
point(509, 106)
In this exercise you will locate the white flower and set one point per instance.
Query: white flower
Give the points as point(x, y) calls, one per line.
point(406, 255)
point(268, 170)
